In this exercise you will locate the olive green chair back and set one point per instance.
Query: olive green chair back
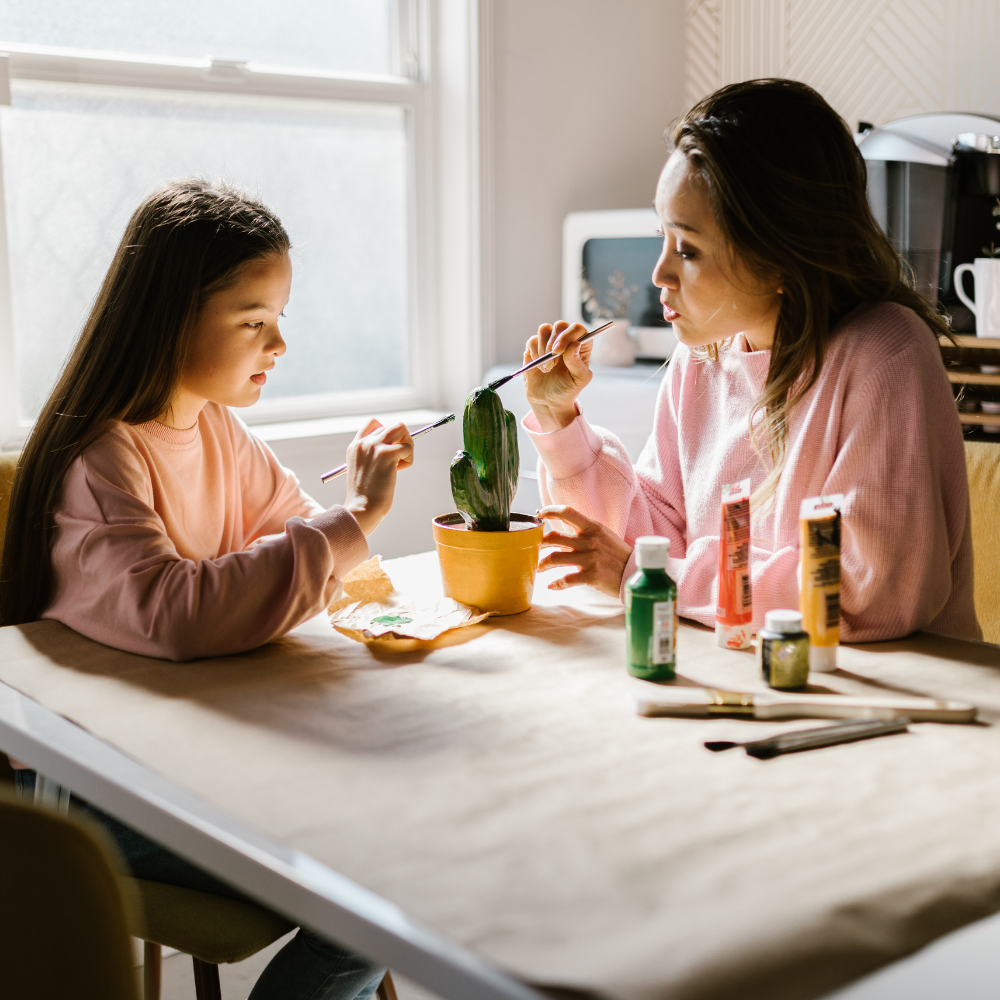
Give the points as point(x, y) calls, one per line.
point(63, 916)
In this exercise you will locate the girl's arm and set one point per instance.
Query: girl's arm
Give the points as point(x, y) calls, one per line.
point(121, 581)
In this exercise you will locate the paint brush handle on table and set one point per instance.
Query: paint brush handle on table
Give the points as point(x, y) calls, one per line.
point(811, 739)
point(546, 357)
point(705, 703)
point(341, 469)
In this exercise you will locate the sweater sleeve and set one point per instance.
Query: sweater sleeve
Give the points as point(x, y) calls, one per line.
point(901, 467)
point(588, 468)
point(121, 581)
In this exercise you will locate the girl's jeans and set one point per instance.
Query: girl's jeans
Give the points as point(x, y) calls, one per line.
point(308, 968)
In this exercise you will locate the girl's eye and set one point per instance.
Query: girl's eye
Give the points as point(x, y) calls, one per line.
point(257, 325)
point(685, 254)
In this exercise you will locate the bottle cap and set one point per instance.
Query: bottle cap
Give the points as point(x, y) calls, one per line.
point(651, 552)
point(783, 622)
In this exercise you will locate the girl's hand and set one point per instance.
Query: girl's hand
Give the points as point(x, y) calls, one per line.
point(600, 554)
point(552, 388)
point(373, 458)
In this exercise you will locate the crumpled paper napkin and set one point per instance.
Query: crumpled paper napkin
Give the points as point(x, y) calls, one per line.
point(371, 609)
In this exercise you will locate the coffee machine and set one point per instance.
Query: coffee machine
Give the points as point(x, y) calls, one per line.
point(934, 187)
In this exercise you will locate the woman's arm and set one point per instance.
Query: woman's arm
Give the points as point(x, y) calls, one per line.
point(587, 470)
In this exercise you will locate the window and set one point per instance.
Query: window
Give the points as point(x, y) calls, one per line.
point(319, 107)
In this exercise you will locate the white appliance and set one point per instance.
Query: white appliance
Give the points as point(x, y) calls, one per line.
point(597, 246)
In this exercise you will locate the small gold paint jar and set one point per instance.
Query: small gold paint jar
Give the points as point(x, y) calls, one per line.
point(783, 651)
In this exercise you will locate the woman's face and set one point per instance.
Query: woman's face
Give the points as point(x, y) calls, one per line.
point(705, 297)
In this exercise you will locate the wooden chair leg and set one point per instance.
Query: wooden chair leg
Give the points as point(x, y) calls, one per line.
point(386, 988)
point(152, 970)
point(206, 980)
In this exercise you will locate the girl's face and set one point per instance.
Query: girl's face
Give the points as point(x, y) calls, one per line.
point(705, 299)
point(236, 340)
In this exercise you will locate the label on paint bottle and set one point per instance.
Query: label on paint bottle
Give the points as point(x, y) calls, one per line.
point(664, 638)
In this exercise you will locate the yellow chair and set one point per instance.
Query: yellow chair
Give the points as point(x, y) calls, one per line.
point(982, 462)
point(8, 465)
point(63, 924)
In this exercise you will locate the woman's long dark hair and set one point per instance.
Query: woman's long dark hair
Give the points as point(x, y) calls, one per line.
point(787, 186)
point(184, 242)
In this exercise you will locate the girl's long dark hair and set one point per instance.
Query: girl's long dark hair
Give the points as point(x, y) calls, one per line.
point(184, 242)
point(788, 190)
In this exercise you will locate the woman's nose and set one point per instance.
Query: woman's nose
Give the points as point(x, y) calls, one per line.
point(663, 274)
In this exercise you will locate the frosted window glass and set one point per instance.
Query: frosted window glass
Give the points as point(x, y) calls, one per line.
point(347, 35)
point(79, 159)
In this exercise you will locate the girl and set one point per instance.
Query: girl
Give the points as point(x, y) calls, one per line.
point(806, 362)
point(147, 516)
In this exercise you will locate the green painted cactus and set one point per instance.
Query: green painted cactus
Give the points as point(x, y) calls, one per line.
point(484, 475)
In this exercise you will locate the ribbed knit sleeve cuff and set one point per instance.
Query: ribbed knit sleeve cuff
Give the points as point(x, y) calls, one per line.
point(347, 541)
point(567, 452)
point(630, 568)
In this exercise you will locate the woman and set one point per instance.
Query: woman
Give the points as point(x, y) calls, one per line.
point(806, 362)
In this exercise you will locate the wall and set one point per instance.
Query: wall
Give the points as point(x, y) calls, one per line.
point(582, 91)
point(873, 60)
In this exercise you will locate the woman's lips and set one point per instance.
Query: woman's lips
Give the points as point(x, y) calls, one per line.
point(260, 378)
point(669, 314)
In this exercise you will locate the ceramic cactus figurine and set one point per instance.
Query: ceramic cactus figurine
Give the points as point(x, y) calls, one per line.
point(484, 475)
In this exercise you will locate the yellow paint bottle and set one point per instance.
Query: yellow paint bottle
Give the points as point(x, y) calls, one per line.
point(819, 577)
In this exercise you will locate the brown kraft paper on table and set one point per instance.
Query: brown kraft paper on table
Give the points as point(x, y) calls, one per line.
point(504, 793)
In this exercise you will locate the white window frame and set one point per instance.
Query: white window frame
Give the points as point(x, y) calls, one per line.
point(437, 82)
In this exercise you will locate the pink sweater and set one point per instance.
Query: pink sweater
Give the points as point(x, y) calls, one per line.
point(183, 544)
point(879, 426)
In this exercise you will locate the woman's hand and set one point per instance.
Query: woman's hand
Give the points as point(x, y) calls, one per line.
point(600, 554)
point(373, 458)
point(552, 388)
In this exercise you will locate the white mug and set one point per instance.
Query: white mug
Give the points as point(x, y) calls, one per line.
point(986, 307)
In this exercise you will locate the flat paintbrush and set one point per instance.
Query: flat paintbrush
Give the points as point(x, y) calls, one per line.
point(546, 357)
point(341, 469)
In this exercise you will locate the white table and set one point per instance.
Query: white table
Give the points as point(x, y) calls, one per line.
point(503, 793)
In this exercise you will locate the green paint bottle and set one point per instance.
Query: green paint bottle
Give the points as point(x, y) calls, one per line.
point(651, 613)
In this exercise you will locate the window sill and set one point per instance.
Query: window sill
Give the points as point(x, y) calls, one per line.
point(293, 430)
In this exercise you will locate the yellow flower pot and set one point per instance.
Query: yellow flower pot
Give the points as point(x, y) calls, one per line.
point(490, 570)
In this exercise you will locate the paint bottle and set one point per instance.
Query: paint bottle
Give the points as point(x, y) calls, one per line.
point(734, 607)
point(783, 651)
point(819, 577)
point(651, 612)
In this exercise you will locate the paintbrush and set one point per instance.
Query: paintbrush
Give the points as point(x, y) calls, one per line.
point(809, 739)
point(547, 357)
point(341, 469)
point(706, 703)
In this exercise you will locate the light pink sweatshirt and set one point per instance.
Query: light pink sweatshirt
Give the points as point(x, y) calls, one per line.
point(183, 544)
point(879, 425)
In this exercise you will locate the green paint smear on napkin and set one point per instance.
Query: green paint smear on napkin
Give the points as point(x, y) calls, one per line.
point(391, 620)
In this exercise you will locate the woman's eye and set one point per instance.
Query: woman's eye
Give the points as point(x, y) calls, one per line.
point(257, 325)
point(685, 254)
